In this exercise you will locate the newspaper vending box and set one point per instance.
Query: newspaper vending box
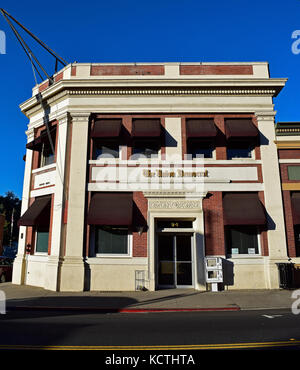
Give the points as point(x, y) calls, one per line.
point(214, 272)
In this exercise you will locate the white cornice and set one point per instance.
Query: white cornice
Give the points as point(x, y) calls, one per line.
point(159, 87)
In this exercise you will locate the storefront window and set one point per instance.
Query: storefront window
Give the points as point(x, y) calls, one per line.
point(242, 240)
point(111, 240)
point(42, 237)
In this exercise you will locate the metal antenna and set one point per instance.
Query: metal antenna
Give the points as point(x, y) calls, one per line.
point(35, 63)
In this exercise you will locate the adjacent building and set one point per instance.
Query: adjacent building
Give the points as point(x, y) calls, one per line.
point(136, 172)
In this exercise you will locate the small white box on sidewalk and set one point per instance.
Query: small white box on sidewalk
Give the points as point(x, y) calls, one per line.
point(214, 271)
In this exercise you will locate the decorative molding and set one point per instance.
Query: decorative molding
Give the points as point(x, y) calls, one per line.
point(175, 204)
point(265, 116)
point(291, 186)
point(171, 91)
point(80, 116)
point(295, 144)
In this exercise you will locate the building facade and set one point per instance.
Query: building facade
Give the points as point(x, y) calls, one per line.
point(136, 172)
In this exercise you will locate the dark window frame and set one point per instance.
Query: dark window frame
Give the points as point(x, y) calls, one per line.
point(127, 235)
point(229, 244)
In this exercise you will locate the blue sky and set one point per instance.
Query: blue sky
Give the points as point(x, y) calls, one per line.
point(143, 31)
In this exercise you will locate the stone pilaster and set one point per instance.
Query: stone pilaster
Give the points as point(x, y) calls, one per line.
point(54, 260)
point(273, 197)
point(72, 268)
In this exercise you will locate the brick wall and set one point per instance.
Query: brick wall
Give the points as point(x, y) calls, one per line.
point(127, 70)
point(139, 219)
point(289, 224)
point(213, 224)
point(216, 70)
point(289, 153)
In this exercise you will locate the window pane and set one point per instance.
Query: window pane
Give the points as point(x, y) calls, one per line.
point(111, 240)
point(42, 241)
point(242, 240)
point(47, 156)
point(238, 150)
point(107, 150)
point(294, 172)
point(183, 248)
point(145, 148)
point(203, 149)
point(165, 248)
point(297, 239)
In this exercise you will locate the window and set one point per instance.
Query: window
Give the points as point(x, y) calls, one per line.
point(47, 156)
point(42, 237)
point(294, 172)
point(111, 240)
point(107, 149)
point(239, 149)
point(242, 240)
point(200, 148)
point(143, 148)
point(297, 239)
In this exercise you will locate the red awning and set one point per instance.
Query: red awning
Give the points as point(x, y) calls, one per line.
point(243, 209)
point(106, 128)
point(37, 143)
point(240, 128)
point(200, 128)
point(38, 214)
point(113, 209)
point(146, 128)
point(296, 208)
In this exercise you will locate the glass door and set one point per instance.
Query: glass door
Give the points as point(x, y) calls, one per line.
point(175, 260)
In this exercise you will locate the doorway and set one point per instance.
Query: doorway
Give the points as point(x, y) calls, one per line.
point(175, 260)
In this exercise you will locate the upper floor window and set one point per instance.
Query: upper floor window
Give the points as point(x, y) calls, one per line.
point(145, 148)
point(106, 134)
point(44, 144)
point(200, 134)
point(239, 149)
point(106, 149)
point(47, 156)
point(241, 135)
point(146, 134)
point(200, 148)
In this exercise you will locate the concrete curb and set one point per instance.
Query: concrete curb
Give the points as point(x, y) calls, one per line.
point(119, 310)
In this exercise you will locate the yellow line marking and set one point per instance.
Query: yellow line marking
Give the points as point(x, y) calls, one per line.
point(153, 348)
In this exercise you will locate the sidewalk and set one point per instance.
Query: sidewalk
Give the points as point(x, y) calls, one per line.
point(33, 298)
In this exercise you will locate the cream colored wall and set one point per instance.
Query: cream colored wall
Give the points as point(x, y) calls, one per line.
point(20, 261)
point(250, 275)
point(36, 270)
point(114, 277)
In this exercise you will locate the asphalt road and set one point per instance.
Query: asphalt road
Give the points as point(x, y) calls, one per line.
point(183, 330)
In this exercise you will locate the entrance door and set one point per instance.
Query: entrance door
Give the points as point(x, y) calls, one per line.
point(175, 260)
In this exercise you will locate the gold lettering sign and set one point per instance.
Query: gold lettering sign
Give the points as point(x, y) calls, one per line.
point(179, 173)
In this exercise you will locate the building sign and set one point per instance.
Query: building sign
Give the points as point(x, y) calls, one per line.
point(187, 176)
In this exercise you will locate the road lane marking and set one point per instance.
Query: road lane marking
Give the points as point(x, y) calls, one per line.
point(152, 348)
point(272, 316)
